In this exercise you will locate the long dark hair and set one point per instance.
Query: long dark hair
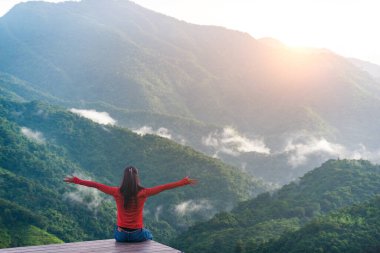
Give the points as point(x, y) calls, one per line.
point(130, 186)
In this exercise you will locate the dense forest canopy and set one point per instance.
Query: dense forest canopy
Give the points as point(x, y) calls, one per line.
point(257, 223)
point(41, 144)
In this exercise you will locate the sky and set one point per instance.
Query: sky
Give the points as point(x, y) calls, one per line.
point(347, 27)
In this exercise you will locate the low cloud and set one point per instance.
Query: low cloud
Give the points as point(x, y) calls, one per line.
point(158, 212)
point(84, 195)
point(33, 135)
point(192, 206)
point(146, 211)
point(99, 117)
point(163, 132)
point(301, 148)
point(229, 141)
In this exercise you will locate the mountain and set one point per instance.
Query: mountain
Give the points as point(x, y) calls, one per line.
point(353, 229)
point(289, 109)
point(284, 215)
point(15, 218)
point(41, 144)
point(370, 68)
point(130, 57)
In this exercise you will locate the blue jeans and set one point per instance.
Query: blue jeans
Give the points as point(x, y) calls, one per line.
point(139, 235)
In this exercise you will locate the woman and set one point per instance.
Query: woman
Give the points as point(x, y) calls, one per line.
point(130, 198)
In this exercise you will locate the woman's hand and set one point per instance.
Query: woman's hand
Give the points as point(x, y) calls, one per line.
point(191, 180)
point(69, 179)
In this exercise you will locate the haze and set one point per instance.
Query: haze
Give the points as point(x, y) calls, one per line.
point(345, 27)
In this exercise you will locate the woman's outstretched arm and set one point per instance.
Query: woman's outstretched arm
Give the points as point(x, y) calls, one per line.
point(157, 189)
point(104, 188)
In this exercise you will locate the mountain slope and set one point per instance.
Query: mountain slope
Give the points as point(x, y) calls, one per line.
point(130, 57)
point(41, 144)
point(353, 229)
point(146, 68)
point(336, 184)
point(14, 218)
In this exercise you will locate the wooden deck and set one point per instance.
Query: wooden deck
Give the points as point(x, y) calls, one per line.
point(106, 246)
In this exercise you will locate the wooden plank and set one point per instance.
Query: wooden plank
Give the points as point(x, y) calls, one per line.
point(85, 247)
point(98, 246)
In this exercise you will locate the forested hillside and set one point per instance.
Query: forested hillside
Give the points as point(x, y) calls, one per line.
point(350, 230)
point(41, 144)
point(14, 218)
point(268, 217)
point(197, 82)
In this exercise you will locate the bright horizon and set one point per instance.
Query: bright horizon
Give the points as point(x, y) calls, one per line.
point(345, 27)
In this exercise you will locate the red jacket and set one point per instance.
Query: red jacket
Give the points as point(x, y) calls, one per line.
point(132, 216)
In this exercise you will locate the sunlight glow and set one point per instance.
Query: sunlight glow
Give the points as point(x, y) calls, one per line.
point(348, 27)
